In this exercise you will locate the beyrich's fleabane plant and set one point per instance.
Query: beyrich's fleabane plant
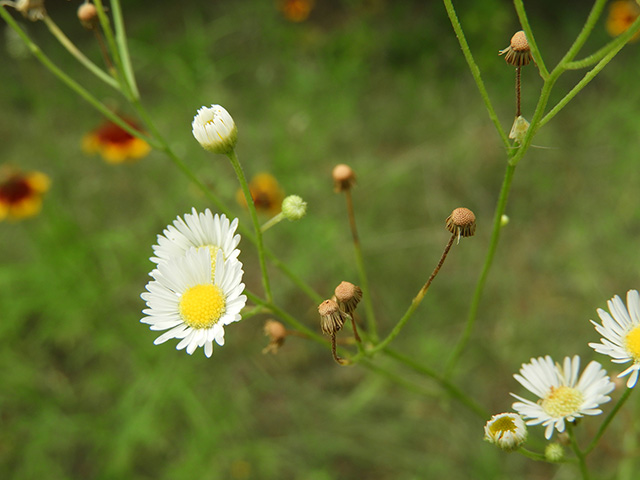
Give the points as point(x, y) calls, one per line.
point(506, 430)
point(621, 332)
point(564, 396)
point(198, 230)
point(215, 129)
point(191, 304)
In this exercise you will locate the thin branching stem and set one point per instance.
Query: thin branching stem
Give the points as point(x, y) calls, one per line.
point(625, 396)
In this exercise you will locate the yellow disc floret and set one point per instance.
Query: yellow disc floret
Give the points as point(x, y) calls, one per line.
point(632, 343)
point(202, 306)
point(562, 401)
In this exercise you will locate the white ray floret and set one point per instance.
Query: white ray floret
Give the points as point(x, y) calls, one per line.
point(620, 330)
point(193, 304)
point(215, 129)
point(564, 395)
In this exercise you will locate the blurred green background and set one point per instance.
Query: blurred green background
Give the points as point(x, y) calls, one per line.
point(380, 85)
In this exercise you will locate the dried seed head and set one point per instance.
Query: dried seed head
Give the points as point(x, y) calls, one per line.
point(461, 222)
point(348, 296)
point(276, 332)
point(343, 177)
point(31, 9)
point(331, 319)
point(88, 15)
point(517, 53)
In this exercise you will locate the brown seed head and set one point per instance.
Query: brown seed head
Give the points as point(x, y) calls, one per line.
point(348, 296)
point(517, 53)
point(31, 9)
point(461, 222)
point(343, 177)
point(88, 15)
point(276, 332)
point(331, 319)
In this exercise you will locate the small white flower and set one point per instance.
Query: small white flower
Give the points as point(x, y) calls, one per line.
point(621, 332)
point(507, 430)
point(199, 230)
point(184, 299)
point(563, 396)
point(214, 128)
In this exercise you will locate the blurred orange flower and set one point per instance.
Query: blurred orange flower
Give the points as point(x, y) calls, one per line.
point(622, 13)
point(296, 10)
point(266, 193)
point(115, 144)
point(21, 193)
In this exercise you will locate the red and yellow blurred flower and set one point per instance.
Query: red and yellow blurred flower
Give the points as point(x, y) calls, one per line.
point(266, 193)
point(622, 13)
point(21, 193)
point(296, 10)
point(115, 144)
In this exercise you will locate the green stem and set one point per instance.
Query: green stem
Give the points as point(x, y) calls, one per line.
point(453, 391)
point(607, 420)
point(254, 218)
point(532, 455)
point(113, 49)
point(477, 294)
point(73, 50)
point(531, 40)
point(579, 454)
point(475, 71)
point(123, 49)
point(271, 222)
point(364, 281)
point(582, 37)
point(417, 300)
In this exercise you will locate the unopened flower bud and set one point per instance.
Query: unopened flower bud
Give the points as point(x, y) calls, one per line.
point(331, 319)
point(504, 221)
point(294, 207)
point(461, 222)
point(519, 129)
point(506, 430)
point(214, 128)
point(517, 53)
point(348, 296)
point(88, 15)
point(554, 452)
point(343, 177)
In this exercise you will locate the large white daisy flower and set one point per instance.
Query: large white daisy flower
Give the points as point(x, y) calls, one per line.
point(185, 300)
point(563, 396)
point(621, 332)
point(198, 230)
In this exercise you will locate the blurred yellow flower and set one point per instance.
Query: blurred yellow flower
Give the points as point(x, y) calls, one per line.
point(21, 193)
point(266, 193)
point(115, 144)
point(296, 10)
point(622, 13)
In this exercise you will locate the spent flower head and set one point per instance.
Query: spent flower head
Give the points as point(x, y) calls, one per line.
point(620, 330)
point(88, 15)
point(564, 396)
point(343, 177)
point(331, 319)
point(506, 430)
point(277, 333)
point(348, 296)
point(461, 222)
point(517, 53)
point(214, 129)
point(191, 302)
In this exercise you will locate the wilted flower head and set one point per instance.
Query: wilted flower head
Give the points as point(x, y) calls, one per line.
point(348, 296)
point(277, 333)
point(115, 144)
point(461, 222)
point(266, 193)
point(31, 9)
point(88, 15)
point(506, 430)
point(214, 128)
point(331, 319)
point(21, 193)
point(343, 177)
point(621, 332)
point(517, 53)
point(564, 396)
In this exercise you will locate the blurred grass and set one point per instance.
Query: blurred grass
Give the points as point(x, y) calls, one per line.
point(381, 86)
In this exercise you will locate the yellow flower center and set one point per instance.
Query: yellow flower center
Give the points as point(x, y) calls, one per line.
point(202, 306)
point(562, 401)
point(502, 424)
point(632, 343)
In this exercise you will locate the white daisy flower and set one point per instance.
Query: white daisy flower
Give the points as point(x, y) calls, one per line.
point(563, 396)
point(506, 430)
point(214, 128)
point(199, 230)
point(184, 299)
point(621, 332)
